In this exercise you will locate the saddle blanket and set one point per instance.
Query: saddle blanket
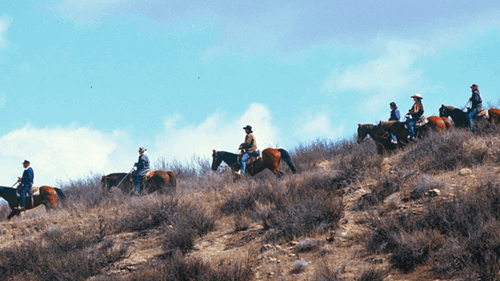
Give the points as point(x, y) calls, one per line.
point(422, 121)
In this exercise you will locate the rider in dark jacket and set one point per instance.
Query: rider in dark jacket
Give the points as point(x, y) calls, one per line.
point(395, 115)
point(142, 166)
point(26, 182)
point(477, 104)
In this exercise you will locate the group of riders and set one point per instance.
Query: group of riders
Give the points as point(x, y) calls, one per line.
point(249, 146)
point(139, 172)
point(417, 111)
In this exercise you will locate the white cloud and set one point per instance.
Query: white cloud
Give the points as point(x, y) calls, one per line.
point(318, 126)
point(381, 79)
point(216, 132)
point(60, 154)
point(4, 25)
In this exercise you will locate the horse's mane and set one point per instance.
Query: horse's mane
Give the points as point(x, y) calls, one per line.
point(451, 108)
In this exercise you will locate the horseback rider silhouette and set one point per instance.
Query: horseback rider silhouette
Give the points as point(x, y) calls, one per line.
point(142, 166)
point(416, 111)
point(26, 182)
point(395, 115)
point(249, 146)
point(477, 105)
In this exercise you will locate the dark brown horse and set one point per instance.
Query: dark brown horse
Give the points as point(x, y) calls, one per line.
point(48, 197)
point(459, 117)
point(270, 159)
point(162, 181)
point(379, 134)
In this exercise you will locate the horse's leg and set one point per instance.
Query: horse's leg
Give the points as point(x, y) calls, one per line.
point(13, 213)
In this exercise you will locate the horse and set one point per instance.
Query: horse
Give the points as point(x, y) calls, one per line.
point(157, 181)
point(434, 123)
point(400, 130)
point(378, 134)
point(48, 197)
point(270, 159)
point(460, 119)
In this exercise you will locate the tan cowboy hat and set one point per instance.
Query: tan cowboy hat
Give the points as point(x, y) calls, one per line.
point(417, 96)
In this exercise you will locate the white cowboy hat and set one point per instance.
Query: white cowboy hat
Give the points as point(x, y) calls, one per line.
point(417, 96)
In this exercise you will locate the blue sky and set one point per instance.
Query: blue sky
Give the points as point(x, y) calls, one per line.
point(83, 84)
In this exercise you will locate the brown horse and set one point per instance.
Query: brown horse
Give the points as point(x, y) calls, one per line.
point(48, 197)
point(270, 159)
point(162, 181)
point(459, 117)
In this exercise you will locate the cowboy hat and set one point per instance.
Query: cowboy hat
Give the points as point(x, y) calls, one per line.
point(417, 96)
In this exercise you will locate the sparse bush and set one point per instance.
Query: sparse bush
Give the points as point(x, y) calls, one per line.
point(373, 274)
point(443, 152)
point(459, 236)
point(180, 268)
point(424, 184)
point(71, 256)
point(325, 273)
point(305, 213)
point(378, 194)
point(307, 245)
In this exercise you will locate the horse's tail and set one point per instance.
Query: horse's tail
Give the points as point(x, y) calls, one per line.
point(173, 179)
point(286, 157)
point(59, 192)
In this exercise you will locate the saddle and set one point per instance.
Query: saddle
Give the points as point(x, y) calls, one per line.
point(35, 190)
point(253, 157)
point(149, 175)
point(421, 122)
point(483, 113)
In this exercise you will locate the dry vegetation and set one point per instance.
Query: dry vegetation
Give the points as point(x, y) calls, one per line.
point(349, 214)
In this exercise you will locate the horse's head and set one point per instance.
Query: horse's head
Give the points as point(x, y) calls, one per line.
point(444, 111)
point(104, 183)
point(216, 160)
point(362, 132)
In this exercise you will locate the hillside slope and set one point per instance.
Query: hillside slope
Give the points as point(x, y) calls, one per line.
point(427, 212)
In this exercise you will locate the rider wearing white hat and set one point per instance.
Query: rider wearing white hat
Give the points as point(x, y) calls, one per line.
point(416, 111)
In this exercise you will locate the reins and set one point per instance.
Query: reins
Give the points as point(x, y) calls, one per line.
point(124, 177)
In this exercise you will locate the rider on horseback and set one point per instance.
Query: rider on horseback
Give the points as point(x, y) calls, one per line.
point(142, 166)
point(416, 111)
point(477, 104)
point(395, 115)
point(249, 147)
point(26, 182)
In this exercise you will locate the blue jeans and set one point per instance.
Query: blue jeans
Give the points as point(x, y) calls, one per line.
point(471, 115)
point(137, 182)
point(24, 192)
point(243, 162)
point(411, 126)
point(394, 137)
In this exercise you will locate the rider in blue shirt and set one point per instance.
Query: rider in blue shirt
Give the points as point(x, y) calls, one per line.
point(477, 104)
point(26, 182)
point(395, 115)
point(142, 166)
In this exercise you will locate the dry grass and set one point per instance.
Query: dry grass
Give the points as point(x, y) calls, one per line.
point(348, 214)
